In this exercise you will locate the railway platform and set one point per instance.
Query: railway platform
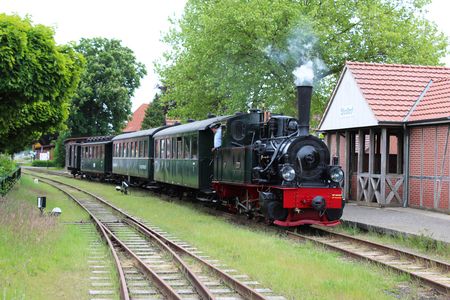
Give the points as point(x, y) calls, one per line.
point(399, 220)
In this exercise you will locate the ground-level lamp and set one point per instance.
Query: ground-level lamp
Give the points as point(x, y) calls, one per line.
point(41, 203)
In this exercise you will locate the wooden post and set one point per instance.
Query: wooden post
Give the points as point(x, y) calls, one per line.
point(329, 145)
point(360, 163)
point(338, 147)
point(348, 158)
point(371, 191)
point(383, 166)
point(400, 147)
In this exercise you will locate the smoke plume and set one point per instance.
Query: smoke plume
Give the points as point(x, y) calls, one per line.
point(301, 53)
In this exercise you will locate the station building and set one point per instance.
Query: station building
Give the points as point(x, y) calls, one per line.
point(388, 126)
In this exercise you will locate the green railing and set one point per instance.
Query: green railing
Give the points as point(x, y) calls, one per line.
point(7, 182)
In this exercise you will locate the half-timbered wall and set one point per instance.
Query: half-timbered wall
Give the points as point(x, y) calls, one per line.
point(429, 165)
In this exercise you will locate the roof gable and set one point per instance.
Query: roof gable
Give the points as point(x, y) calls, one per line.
point(136, 120)
point(347, 107)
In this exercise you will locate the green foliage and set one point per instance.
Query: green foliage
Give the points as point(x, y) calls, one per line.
point(102, 102)
point(155, 114)
point(43, 163)
point(230, 55)
point(37, 81)
point(7, 165)
point(60, 151)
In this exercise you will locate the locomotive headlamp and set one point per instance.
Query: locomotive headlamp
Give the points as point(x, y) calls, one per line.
point(288, 173)
point(336, 174)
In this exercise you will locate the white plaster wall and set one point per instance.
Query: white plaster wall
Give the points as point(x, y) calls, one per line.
point(348, 108)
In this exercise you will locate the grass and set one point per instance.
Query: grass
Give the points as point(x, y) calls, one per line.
point(420, 244)
point(297, 271)
point(40, 257)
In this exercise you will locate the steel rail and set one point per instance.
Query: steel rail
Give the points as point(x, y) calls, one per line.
point(201, 289)
point(429, 262)
point(123, 290)
point(443, 288)
point(243, 289)
point(164, 288)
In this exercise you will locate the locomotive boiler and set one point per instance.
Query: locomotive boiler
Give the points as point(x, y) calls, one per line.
point(270, 165)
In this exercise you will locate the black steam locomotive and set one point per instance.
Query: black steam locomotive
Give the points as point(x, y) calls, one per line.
point(268, 165)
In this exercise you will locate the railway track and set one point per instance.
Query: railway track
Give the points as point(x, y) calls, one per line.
point(152, 264)
point(430, 272)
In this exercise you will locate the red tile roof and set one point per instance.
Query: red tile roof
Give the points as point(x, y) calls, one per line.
point(391, 90)
point(136, 121)
point(436, 102)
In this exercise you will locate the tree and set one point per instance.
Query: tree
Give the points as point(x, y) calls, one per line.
point(155, 115)
point(227, 55)
point(102, 102)
point(37, 81)
point(60, 151)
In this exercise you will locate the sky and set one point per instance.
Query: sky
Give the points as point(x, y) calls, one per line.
point(137, 23)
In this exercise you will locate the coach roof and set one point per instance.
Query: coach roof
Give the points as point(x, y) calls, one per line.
point(139, 133)
point(191, 127)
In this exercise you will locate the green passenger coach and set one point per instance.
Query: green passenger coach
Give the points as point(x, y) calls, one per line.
point(95, 156)
point(133, 155)
point(183, 154)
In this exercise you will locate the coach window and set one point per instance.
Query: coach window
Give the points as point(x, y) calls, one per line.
point(157, 147)
point(145, 151)
point(174, 148)
point(132, 149)
point(168, 148)
point(194, 147)
point(135, 149)
point(187, 147)
point(163, 148)
point(179, 147)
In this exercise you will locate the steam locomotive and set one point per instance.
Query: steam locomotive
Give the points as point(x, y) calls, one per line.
point(268, 165)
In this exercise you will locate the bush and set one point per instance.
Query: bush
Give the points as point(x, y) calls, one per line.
point(7, 165)
point(43, 163)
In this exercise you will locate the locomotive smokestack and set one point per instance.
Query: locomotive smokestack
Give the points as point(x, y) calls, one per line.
point(303, 108)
